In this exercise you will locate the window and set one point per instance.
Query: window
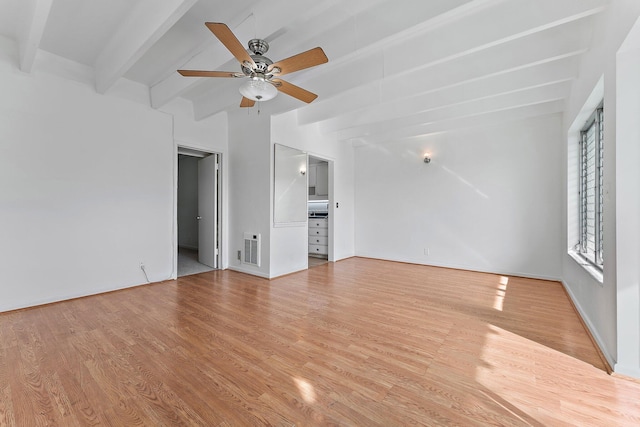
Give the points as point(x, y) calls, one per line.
point(591, 198)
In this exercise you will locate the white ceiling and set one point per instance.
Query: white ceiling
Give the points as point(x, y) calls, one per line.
point(397, 68)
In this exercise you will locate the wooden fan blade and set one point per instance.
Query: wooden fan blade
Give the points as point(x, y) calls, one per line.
point(230, 41)
point(298, 62)
point(197, 73)
point(246, 102)
point(295, 91)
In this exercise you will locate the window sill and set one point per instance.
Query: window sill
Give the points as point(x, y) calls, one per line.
point(594, 271)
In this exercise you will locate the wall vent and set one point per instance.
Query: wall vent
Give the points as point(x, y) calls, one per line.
point(251, 253)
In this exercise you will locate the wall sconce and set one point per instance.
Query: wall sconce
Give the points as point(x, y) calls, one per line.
point(427, 158)
point(303, 171)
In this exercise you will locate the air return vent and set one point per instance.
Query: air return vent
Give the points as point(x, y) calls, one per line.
point(251, 254)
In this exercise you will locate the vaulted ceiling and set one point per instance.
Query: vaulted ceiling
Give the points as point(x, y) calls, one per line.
point(397, 68)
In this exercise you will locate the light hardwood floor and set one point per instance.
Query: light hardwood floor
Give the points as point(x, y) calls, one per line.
point(314, 262)
point(359, 342)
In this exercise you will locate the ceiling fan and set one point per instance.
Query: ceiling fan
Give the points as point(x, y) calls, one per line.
point(263, 74)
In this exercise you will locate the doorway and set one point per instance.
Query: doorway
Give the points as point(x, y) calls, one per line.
point(320, 221)
point(198, 212)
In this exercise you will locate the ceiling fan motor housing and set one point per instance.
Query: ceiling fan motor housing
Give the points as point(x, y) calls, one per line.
point(262, 63)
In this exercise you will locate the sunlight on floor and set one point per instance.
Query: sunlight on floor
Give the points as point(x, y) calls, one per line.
point(306, 390)
point(518, 369)
point(502, 290)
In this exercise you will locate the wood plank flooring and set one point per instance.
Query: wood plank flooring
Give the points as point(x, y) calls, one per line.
point(359, 342)
point(314, 261)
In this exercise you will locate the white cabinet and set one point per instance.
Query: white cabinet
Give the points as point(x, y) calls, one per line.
point(318, 240)
point(318, 250)
point(318, 236)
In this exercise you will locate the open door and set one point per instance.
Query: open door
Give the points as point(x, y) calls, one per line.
point(208, 210)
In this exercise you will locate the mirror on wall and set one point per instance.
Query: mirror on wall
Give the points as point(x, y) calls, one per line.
point(290, 186)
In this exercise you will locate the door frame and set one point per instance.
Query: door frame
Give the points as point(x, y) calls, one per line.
point(330, 198)
point(183, 149)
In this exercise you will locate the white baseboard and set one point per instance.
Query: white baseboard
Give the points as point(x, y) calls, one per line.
point(594, 333)
point(465, 268)
point(252, 272)
point(52, 299)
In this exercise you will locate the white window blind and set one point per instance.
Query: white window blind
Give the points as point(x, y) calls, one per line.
point(591, 188)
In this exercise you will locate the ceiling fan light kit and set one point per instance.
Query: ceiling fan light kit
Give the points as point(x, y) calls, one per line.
point(261, 70)
point(258, 89)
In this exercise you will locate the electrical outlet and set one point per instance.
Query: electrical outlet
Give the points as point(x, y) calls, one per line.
point(427, 251)
point(142, 266)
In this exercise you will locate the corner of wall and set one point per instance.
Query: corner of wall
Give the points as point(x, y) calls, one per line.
point(591, 330)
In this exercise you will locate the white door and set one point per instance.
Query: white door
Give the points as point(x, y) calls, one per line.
point(208, 211)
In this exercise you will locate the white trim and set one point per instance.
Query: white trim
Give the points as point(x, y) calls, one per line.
point(249, 271)
point(192, 152)
point(463, 267)
point(181, 147)
point(76, 295)
point(594, 271)
point(592, 329)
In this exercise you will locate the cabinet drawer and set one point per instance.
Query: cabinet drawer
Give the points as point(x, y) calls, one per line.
point(318, 240)
point(313, 232)
point(318, 223)
point(318, 249)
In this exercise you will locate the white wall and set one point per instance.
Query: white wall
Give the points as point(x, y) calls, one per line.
point(88, 181)
point(249, 185)
point(488, 201)
point(208, 135)
point(289, 245)
point(628, 204)
point(86, 189)
point(601, 304)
